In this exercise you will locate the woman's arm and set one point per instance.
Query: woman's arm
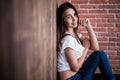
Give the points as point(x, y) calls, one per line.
point(93, 38)
point(75, 63)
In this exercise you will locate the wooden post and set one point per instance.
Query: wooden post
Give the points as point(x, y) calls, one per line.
point(28, 39)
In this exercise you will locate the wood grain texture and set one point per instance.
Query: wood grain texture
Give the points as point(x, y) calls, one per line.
point(28, 39)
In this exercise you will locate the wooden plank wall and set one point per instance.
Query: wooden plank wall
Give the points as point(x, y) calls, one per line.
point(28, 39)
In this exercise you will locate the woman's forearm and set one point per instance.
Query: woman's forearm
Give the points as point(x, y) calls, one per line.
point(82, 58)
point(86, 45)
point(93, 38)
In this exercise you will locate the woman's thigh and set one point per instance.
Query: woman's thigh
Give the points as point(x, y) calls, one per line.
point(89, 66)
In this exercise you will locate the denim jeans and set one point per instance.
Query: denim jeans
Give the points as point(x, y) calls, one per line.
point(96, 59)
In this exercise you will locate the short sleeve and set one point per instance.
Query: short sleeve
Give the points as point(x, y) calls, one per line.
point(68, 41)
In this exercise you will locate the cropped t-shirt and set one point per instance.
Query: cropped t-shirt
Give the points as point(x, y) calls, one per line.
point(71, 42)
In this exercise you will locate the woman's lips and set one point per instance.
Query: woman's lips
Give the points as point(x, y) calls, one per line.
point(74, 23)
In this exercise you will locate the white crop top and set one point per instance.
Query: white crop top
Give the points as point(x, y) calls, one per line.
point(71, 42)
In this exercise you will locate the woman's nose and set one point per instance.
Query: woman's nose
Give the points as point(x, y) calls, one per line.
point(73, 18)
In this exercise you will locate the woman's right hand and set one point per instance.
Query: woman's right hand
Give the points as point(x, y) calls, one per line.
point(85, 22)
point(86, 43)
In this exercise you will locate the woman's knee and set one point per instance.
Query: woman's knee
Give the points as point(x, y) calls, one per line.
point(100, 52)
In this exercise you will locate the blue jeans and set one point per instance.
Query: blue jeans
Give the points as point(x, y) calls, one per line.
point(96, 59)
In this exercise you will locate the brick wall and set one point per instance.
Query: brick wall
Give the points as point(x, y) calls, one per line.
point(105, 19)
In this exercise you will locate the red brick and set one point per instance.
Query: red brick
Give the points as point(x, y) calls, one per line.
point(114, 11)
point(114, 1)
point(79, 1)
point(61, 1)
point(117, 71)
point(104, 16)
point(114, 57)
point(103, 48)
point(82, 11)
point(98, 11)
point(114, 39)
point(118, 6)
point(118, 44)
point(98, 1)
point(111, 53)
point(93, 24)
point(111, 63)
point(115, 62)
point(112, 48)
point(86, 16)
point(76, 6)
point(115, 66)
point(107, 6)
point(113, 29)
point(111, 44)
point(117, 15)
point(88, 6)
point(105, 25)
point(107, 34)
point(99, 20)
point(99, 29)
point(102, 39)
point(112, 34)
point(103, 44)
point(118, 25)
point(113, 20)
point(118, 39)
point(118, 52)
point(118, 47)
point(103, 34)
point(118, 35)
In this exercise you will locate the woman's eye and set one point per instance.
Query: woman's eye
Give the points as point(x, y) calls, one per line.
point(68, 17)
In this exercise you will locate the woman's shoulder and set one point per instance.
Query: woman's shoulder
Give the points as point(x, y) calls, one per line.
point(68, 41)
point(68, 38)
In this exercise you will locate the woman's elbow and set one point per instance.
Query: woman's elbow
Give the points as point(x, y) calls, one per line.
point(76, 68)
point(96, 48)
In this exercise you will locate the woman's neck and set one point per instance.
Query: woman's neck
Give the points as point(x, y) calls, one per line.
point(71, 31)
point(74, 35)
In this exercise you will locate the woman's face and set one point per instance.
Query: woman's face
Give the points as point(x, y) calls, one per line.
point(70, 18)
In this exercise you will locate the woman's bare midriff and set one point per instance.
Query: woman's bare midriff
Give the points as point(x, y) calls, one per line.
point(66, 74)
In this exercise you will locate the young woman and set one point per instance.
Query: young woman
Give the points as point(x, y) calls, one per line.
point(72, 48)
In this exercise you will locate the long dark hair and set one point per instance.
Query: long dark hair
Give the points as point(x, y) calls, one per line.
point(60, 24)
